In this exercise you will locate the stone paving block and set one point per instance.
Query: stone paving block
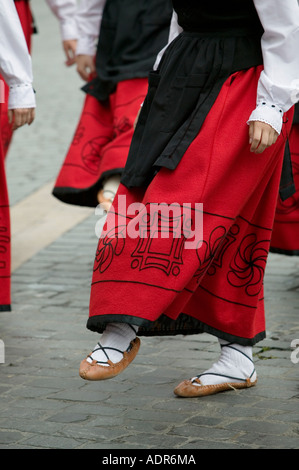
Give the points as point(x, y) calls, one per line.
point(7, 437)
point(201, 432)
point(31, 427)
point(93, 435)
point(269, 441)
point(68, 417)
point(153, 441)
point(45, 441)
point(260, 426)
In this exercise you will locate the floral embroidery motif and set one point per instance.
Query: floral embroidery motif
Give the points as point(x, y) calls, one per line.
point(214, 250)
point(122, 125)
point(79, 134)
point(4, 246)
point(91, 154)
point(112, 244)
point(248, 266)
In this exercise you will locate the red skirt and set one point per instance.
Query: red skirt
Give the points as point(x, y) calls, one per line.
point(5, 299)
point(167, 287)
point(25, 16)
point(285, 238)
point(101, 143)
point(26, 20)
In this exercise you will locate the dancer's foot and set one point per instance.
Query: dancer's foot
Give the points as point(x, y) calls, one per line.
point(233, 370)
point(116, 349)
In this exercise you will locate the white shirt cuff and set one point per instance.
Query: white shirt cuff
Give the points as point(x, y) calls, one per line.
point(268, 113)
point(86, 46)
point(68, 30)
point(21, 96)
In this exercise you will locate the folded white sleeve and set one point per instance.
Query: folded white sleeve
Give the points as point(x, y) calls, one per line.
point(65, 11)
point(89, 17)
point(278, 87)
point(15, 61)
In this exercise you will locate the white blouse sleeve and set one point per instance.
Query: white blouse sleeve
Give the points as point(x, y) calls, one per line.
point(65, 11)
point(15, 61)
point(89, 18)
point(278, 87)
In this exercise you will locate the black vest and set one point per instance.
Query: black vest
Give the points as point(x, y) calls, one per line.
point(229, 17)
point(132, 34)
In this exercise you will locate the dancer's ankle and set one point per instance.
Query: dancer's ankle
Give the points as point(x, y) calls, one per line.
point(115, 340)
point(234, 365)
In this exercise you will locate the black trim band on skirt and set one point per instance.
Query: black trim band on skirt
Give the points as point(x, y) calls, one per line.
point(86, 197)
point(281, 251)
point(165, 326)
point(5, 308)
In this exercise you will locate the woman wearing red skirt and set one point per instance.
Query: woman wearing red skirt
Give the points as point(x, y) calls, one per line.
point(15, 67)
point(130, 35)
point(185, 245)
point(19, 94)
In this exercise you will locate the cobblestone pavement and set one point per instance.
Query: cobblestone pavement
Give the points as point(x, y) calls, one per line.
point(44, 403)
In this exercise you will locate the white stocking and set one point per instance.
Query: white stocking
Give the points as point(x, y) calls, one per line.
point(234, 365)
point(117, 336)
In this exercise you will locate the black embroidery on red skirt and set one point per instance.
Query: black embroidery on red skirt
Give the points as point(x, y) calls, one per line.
point(248, 267)
point(215, 248)
point(91, 153)
point(113, 146)
point(122, 125)
point(79, 134)
point(154, 251)
point(233, 302)
point(112, 244)
point(4, 246)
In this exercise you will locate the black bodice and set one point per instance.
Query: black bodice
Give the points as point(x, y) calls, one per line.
point(229, 17)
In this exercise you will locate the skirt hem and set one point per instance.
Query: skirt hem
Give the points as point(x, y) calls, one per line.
point(5, 308)
point(83, 196)
point(184, 325)
point(281, 251)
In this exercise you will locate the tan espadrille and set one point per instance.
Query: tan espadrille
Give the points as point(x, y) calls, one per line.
point(95, 371)
point(187, 389)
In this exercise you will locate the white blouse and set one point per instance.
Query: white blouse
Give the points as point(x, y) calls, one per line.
point(278, 85)
point(279, 82)
point(15, 61)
